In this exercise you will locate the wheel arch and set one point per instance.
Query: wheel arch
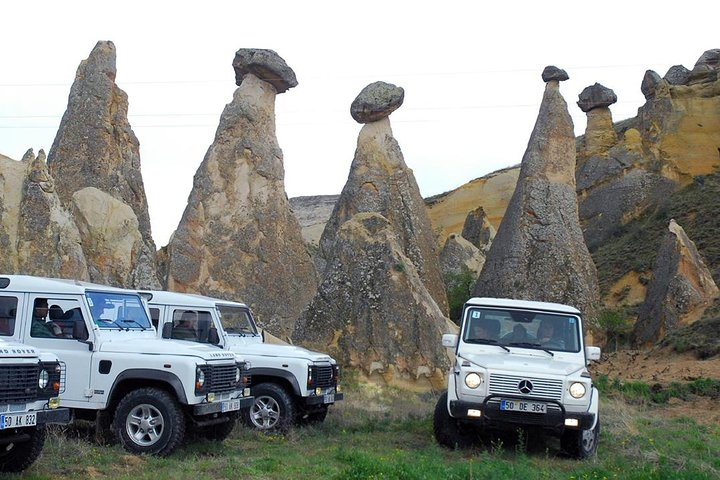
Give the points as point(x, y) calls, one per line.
point(133, 379)
point(277, 376)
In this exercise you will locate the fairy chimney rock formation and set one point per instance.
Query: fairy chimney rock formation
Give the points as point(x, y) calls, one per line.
point(96, 147)
point(379, 181)
point(599, 133)
point(376, 101)
point(372, 310)
point(265, 65)
point(552, 72)
point(539, 252)
point(48, 242)
point(238, 238)
point(478, 230)
point(459, 256)
point(680, 290)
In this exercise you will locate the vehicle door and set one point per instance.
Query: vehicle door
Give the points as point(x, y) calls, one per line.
point(53, 322)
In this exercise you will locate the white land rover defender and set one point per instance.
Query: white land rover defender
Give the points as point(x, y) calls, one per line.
point(147, 391)
point(288, 383)
point(30, 382)
point(520, 364)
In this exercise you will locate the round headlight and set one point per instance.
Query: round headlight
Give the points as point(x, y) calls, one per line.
point(577, 390)
point(43, 379)
point(200, 378)
point(473, 380)
point(237, 374)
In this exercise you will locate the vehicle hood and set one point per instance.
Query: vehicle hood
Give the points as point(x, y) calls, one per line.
point(154, 346)
point(17, 350)
point(273, 350)
point(520, 364)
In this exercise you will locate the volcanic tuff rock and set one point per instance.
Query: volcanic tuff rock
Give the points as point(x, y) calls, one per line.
point(680, 290)
point(313, 213)
point(478, 230)
point(47, 241)
point(552, 72)
point(95, 147)
point(596, 96)
point(376, 101)
point(372, 311)
point(379, 181)
point(539, 252)
point(238, 238)
point(459, 256)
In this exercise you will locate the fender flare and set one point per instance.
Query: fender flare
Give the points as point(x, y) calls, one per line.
point(146, 374)
point(276, 372)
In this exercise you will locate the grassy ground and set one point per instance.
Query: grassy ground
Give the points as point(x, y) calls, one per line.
point(388, 435)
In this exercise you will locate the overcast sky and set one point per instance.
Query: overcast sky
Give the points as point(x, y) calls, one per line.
point(470, 69)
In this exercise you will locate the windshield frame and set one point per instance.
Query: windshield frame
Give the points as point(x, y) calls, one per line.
point(252, 329)
point(508, 327)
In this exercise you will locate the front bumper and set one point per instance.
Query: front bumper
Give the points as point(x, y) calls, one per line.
point(492, 416)
point(56, 415)
point(217, 407)
point(313, 400)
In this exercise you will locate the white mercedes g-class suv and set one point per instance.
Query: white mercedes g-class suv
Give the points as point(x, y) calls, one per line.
point(119, 374)
point(288, 383)
point(30, 382)
point(520, 364)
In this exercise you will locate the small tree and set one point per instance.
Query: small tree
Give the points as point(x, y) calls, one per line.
point(617, 325)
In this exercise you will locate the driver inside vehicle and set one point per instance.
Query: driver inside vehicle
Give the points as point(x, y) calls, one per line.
point(486, 329)
point(546, 335)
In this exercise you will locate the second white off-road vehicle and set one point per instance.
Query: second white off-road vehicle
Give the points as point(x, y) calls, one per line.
point(520, 364)
point(288, 383)
point(148, 392)
point(30, 382)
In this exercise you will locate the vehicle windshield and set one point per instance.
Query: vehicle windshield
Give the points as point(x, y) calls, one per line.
point(118, 310)
point(522, 328)
point(237, 320)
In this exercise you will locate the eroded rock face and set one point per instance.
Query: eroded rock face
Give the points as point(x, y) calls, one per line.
point(539, 252)
point(458, 256)
point(238, 238)
point(111, 237)
point(96, 147)
point(47, 243)
point(478, 230)
point(680, 290)
point(379, 181)
point(372, 310)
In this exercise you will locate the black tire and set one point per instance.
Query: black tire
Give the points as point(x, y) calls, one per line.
point(17, 456)
point(449, 432)
point(272, 410)
point(149, 421)
point(581, 444)
point(221, 431)
point(313, 418)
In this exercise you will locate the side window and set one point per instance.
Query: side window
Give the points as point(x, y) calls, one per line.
point(191, 325)
point(8, 312)
point(55, 317)
point(155, 316)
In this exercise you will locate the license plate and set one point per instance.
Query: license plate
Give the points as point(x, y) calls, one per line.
point(230, 406)
point(18, 420)
point(522, 406)
point(329, 398)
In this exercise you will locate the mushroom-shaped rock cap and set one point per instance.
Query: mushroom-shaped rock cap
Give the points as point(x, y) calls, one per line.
point(649, 83)
point(376, 101)
point(552, 72)
point(596, 96)
point(266, 65)
point(677, 75)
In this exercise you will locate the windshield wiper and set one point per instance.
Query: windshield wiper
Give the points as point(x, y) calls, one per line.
point(536, 346)
point(486, 341)
point(136, 323)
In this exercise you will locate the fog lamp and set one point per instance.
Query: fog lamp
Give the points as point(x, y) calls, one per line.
point(210, 397)
point(572, 422)
point(474, 413)
point(318, 391)
point(54, 402)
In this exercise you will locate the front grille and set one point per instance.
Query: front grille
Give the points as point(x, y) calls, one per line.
point(323, 376)
point(18, 383)
point(221, 378)
point(542, 388)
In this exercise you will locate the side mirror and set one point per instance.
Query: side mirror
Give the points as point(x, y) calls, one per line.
point(213, 336)
point(167, 330)
point(449, 340)
point(80, 331)
point(592, 353)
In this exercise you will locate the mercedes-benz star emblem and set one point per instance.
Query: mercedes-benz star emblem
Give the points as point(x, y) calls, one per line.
point(525, 386)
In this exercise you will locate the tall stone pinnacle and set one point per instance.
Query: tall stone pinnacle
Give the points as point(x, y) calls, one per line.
point(96, 147)
point(379, 181)
point(539, 252)
point(238, 238)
